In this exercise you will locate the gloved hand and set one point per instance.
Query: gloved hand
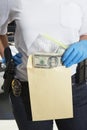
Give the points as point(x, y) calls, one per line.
point(17, 59)
point(76, 53)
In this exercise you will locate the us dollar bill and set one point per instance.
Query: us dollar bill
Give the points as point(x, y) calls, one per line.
point(46, 60)
point(52, 52)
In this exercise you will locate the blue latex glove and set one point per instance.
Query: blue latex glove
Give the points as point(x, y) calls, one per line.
point(76, 53)
point(17, 59)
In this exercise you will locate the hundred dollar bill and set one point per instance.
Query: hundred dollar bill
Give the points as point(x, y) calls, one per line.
point(46, 60)
point(49, 52)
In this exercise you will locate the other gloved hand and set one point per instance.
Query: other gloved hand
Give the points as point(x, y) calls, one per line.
point(17, 59)
point(76, 53)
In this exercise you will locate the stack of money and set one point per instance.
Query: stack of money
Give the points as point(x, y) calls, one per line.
point(46, 60)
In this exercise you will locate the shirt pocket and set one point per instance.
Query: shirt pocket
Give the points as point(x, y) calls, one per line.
point(70, 15)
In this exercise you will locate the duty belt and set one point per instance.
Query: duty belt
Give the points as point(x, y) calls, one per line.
point(9, 70)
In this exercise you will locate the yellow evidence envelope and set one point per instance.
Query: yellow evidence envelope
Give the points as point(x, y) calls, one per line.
point(50, 92)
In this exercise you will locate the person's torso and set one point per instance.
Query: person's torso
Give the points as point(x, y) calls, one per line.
point(60, 19)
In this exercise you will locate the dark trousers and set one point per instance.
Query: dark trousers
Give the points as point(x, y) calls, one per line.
point(79, 122)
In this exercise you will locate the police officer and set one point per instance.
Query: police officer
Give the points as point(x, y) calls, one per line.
point(64, 20)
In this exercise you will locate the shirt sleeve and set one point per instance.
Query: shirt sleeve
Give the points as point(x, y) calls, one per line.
point(83, 29)
point(3, 16)
point(3, 29)
point(9, 11)
point(15, 9)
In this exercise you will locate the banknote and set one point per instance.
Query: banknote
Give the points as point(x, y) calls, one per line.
point(49, 52)
point(46, 60)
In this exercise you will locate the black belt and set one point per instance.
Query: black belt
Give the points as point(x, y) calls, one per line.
point(18, 87)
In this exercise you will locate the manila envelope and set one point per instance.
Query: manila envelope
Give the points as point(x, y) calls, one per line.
point(50, 92)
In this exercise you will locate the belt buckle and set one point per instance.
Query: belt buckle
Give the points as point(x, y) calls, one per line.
point(16, 87)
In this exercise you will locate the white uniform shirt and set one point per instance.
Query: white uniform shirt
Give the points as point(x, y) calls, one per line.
point(64, 20)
